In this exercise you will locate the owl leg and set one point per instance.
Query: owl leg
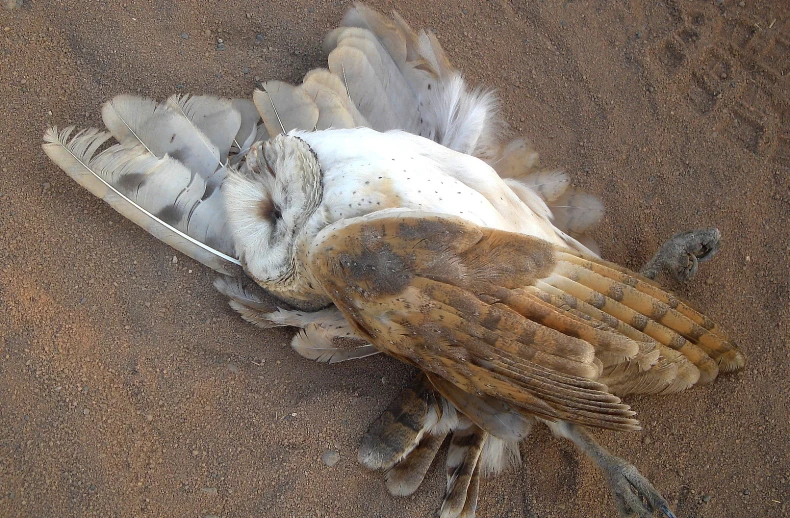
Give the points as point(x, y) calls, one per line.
point(405, 477)
point(401, 427)
point(463, 470)
point(633, 493)
point(680, 256)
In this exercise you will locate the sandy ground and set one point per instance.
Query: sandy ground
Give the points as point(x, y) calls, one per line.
point(129, 388)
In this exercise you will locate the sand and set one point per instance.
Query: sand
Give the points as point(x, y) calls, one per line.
point(128, 387)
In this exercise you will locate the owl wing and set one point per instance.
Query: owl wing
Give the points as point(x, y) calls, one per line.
point(480, 308)
point(166, 170)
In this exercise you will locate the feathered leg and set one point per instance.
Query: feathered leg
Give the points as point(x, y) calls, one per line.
point(633, 493)
point(400, 428)
point(463, 470)
point(680, 256)
point(406, 476)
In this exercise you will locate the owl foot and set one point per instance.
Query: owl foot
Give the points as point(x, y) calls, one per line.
point(680, 256)
point(633, 494)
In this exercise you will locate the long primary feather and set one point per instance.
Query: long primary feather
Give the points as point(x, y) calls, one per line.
point(75, 155)
point(247, 129)
point(162, 131)
point(284, 107)
point(216, 119)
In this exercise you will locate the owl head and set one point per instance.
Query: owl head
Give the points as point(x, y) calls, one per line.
point(268, 203)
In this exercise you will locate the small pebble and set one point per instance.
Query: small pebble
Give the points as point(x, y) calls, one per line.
point(259, 37)
point(175, 260)
point(220, 46)
point(330, 458)
point(46, 185)
point(211, 491)
point(246, 70)
point(747, 492)
point(741, 4)
point(85, 411)
point(184, 36)
point(706, 498)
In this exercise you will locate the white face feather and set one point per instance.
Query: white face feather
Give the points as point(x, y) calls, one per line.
point(268, 203)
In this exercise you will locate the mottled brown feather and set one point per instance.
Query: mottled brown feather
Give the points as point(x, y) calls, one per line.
point(377, 270)
point(510, 317)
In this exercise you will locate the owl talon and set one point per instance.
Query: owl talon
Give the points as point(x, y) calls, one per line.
point(680, 256)
point(633, 493)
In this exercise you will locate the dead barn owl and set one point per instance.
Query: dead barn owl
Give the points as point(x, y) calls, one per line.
point(378, 203)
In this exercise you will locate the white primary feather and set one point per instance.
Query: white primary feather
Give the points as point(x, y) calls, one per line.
point(403, 101)
point(284, 107)
point(248, 127)
point(215, 118)
point(364, 87)
point(164, 177)
point(162, 131)
point(335, 109)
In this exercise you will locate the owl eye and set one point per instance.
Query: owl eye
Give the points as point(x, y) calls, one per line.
point(267, 210)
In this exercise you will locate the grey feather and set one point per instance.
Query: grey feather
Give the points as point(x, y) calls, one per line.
point(156, 181)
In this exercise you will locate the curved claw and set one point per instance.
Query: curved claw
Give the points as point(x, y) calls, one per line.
point(680, 256)
point(633, 493)
point(666, 511)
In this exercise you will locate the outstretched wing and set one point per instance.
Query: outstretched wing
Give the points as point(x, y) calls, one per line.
point(464, 304)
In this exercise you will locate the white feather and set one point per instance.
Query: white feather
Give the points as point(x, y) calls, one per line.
point(162, 131)
point(217, 119)
point(75, 155)
point(315, 343)
point(247, 129)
